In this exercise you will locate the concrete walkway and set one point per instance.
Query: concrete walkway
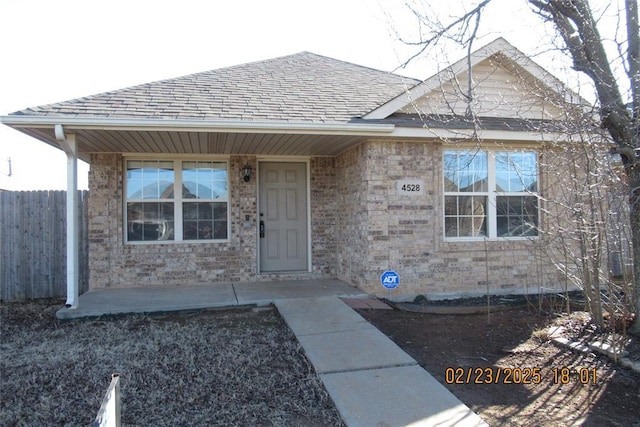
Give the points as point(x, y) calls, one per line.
point(370, 379)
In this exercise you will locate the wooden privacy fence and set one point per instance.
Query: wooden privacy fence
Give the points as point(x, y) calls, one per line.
point(33, 244)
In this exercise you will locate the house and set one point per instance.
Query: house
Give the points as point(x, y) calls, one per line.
point(308, 167)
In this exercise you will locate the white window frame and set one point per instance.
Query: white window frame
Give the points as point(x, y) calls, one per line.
point(178, 200)
point(492, 194)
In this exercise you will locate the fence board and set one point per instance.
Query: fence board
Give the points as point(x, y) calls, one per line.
point(33, 244)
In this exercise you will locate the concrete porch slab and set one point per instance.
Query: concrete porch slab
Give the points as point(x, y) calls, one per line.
point(399, 396)
point(109, 301)
point(324, 304)
point(262, 293)
point(366, 304)
point(99, 302)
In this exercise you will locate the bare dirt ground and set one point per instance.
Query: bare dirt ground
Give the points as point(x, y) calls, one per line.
point(477, 346)
point(232, 367)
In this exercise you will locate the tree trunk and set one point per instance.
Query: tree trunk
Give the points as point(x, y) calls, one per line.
point(577, 27)
point(634, 201)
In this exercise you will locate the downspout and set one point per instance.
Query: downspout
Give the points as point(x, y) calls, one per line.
point(68, 144)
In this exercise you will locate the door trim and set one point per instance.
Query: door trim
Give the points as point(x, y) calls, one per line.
point(307, 162)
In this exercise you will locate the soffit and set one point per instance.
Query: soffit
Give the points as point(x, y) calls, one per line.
point(225, 143)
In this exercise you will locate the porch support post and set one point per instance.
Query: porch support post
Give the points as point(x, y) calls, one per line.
point(68, 144)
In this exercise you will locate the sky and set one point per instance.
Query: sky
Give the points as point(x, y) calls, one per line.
point(60, 50)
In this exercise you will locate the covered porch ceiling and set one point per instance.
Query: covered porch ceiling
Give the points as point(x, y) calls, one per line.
point(204, 138)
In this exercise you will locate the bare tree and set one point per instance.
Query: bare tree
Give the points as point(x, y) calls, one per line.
point(576, 25)
point(586, 233)
point(577, 28)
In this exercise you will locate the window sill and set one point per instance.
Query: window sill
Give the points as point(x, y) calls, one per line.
point(175, 242)
point(490, 239)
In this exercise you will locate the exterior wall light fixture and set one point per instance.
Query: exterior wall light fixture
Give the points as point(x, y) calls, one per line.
point(246, 173)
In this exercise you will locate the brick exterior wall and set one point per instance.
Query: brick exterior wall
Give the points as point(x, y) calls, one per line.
point(352, 222)
point(379, 229)
point(112, 263)
point(324, 214)
point(360, 227)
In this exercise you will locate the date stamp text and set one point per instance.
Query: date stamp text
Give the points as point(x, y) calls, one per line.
point(498, 375)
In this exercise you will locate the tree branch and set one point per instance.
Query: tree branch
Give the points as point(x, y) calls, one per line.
point(444, 31)
point(633, 57)
point(575, 23)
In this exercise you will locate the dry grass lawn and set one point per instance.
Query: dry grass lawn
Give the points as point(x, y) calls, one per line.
point(232, 367)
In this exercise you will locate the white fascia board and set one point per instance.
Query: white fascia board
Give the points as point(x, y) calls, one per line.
point(97, 123)
point(486, 135)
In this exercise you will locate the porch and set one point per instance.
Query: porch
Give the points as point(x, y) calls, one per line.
point(110, 301)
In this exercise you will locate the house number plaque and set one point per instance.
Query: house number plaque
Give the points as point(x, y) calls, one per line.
point(410, 187)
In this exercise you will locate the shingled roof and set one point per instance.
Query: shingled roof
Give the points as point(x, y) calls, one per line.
point(302, 88)
point(298, 105)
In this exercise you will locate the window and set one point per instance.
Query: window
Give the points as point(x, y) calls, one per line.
point(490, 194)
point(156, 212)
point(516, 194)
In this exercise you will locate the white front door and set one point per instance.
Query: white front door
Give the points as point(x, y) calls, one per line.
point(283, 216)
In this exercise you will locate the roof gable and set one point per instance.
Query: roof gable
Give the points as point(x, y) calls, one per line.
point(303, 87)
point(505, 83)
point(497, 92)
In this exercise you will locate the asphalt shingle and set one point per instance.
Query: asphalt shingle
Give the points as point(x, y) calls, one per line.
point(303, 87)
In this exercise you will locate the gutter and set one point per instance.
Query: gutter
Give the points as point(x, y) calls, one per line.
point(292, 128)
point(231, 126)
